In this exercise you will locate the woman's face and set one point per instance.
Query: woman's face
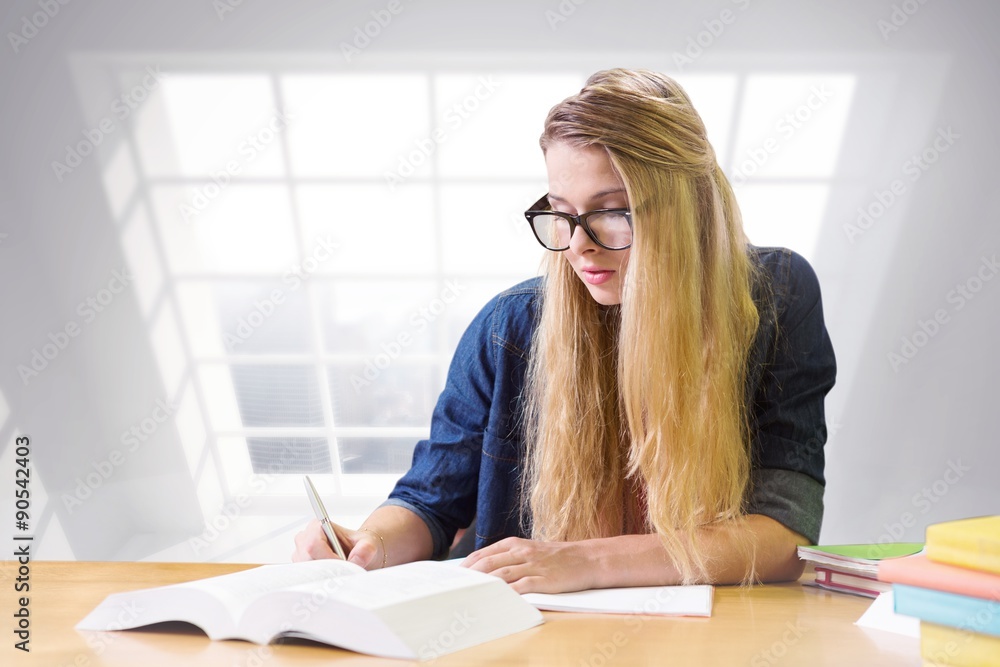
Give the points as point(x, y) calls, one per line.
point(582, 180)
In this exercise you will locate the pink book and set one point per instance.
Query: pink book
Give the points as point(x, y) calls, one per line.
point(836, 580)
point(919, 571)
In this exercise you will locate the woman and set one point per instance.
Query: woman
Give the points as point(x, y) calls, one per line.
point(651, 412)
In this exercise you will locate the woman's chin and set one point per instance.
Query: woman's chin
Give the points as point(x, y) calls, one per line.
point(606, 294)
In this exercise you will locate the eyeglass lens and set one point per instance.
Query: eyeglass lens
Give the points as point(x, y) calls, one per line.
point(611, 229)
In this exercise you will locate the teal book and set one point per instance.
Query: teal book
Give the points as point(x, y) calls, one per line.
point(956, 611)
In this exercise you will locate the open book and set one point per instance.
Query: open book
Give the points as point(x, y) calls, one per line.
point(418, 610)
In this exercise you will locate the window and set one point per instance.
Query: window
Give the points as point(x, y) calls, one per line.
point(310, 240)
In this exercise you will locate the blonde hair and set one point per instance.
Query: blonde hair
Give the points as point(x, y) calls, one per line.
point(646, 400)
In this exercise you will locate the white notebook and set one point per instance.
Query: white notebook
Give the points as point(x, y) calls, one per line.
point(653, 600)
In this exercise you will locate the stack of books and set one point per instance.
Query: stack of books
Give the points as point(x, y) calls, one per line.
point(852, 568)
point(954, 589)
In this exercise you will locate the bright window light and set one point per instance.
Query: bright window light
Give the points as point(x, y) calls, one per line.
point(385, 208)
point(217, 119)
point(791, 126)
point(470, 107)
point(354, 125)
point(783, 215)
point(377, 231)
point(714, 96)
point(484, 229)
point(244, 228)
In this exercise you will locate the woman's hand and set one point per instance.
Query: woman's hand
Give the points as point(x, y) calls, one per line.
point(539, 567)
point(362, 547)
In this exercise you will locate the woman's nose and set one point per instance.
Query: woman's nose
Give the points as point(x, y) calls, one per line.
point(580, 242)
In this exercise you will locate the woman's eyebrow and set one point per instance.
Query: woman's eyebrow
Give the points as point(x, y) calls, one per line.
point(597, 195)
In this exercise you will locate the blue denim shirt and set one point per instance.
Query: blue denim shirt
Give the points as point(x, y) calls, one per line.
point(469, 467)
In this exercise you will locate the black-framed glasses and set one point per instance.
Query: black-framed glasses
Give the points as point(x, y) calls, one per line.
point(610, 228)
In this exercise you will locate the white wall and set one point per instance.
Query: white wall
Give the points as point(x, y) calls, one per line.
point(898, 432)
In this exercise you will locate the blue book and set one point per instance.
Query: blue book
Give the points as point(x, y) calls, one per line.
point(956, 611)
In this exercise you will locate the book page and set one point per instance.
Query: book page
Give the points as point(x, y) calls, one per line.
point(402, 583)
point(235, 591)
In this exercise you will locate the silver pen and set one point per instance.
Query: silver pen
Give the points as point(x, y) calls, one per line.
point(324, 518)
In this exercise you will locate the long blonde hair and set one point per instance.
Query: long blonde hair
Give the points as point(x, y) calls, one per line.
point(646, 401)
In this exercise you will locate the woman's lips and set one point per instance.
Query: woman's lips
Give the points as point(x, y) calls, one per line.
point(597, 276)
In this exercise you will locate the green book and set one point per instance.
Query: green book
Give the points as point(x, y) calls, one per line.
point(857, 558)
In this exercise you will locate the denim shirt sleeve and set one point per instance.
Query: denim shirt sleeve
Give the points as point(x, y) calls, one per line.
point(442, 483)
point(793, 370)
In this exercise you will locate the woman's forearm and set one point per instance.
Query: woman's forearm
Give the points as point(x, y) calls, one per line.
point(399, 536)
point(641, 560)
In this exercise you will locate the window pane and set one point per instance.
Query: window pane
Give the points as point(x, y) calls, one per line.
point(484, 230)
point(378, 231)
point(384, 392)
point(211, 121)
point(375, 455)
point(244, 317)
point(354, 124)
point(791, 125)
point(245, 228)
point(783, 215)
point(262, 318)
point(469, 109)
point(713, 96)
point(366, 317)
point(277, 395)
point(289, 455)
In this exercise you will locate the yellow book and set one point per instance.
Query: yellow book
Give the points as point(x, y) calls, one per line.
point(941, 645)
point(970, 543)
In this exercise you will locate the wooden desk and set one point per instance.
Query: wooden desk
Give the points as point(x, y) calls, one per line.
point(785, 624)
